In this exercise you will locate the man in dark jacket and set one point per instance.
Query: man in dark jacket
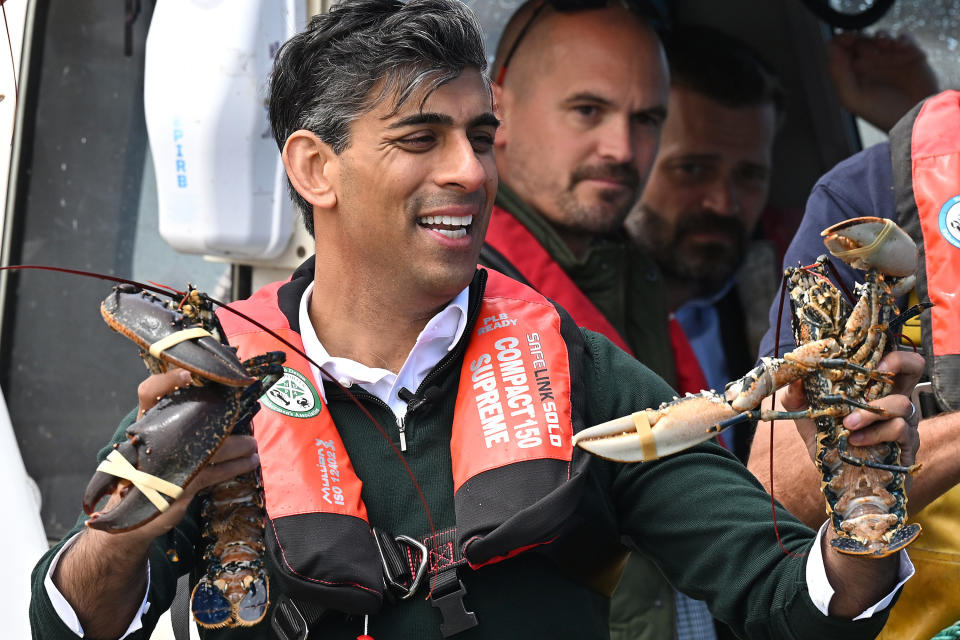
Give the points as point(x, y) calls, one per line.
point(385, 120)
point(704, 199)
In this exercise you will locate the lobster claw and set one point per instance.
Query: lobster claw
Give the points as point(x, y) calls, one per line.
point(873, 243)
point(654, 433)
point(171, 337)
point(168, 446)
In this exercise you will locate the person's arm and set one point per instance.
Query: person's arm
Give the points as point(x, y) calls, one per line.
point(707, 524)
point(103, 576)
point(879, 77)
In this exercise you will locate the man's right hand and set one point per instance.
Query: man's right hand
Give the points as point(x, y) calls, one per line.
point(103, 575)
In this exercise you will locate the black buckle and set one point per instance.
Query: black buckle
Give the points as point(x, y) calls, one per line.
point(454, 615)
point(287, 622)
point(400, 582)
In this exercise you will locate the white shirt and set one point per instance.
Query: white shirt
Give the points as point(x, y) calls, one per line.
point(440, 335)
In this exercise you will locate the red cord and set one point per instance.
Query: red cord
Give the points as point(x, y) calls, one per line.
point(173, 293)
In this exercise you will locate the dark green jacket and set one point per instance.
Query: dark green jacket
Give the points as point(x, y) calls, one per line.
point(701, 515)
point(625, 285)
point(620, 280)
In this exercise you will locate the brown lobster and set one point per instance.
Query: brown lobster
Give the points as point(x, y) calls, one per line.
point(176, 438)
point(839, 349)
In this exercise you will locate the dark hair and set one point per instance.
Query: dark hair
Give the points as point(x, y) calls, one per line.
point(722, 68)
point(362, 52)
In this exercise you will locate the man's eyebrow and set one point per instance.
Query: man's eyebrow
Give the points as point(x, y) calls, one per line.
point(658, 112)
point(696, 157)
point(421, 118)
point(483, 120)
point(589, 97)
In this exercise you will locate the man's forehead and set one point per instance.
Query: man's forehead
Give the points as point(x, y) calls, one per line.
point(468, 92)
point(587, 40)
point(696, 119)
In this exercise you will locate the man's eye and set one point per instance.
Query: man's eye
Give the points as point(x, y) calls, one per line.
point(647, 119)
point(753, 177)
point(481, 142)
point(691, 169)
point(420, 141)
point(586, 110)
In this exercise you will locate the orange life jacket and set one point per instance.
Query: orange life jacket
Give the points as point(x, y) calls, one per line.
point(531, 262)
point(505, 429)
point(925, 153)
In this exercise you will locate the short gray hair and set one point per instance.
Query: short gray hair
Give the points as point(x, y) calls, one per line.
point(362, 52)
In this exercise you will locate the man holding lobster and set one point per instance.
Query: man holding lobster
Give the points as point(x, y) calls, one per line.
point(386, 124)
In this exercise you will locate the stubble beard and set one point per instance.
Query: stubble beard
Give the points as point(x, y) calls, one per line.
point(606, 214)
point(705, 266)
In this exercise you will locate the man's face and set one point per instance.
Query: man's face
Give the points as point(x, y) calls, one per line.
point(582, 105)
point(415, 189)
point(707, 188)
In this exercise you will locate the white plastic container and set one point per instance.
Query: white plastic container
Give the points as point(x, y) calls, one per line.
point(220, 183)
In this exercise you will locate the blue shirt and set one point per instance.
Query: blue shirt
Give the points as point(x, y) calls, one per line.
point(861, 185)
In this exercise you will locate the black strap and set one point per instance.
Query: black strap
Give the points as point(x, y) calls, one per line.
point(496, 260)
point(180, 609)
point(291, 620)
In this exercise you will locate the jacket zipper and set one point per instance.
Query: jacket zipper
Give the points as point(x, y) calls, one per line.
point(435, 373)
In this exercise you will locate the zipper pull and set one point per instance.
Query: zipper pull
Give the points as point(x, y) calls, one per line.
point(403, 435)
point(366, 619)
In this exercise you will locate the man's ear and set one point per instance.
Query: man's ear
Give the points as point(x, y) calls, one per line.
point(500, 138)
point(311, 166)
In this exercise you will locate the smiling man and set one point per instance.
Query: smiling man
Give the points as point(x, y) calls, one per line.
point(436, 492)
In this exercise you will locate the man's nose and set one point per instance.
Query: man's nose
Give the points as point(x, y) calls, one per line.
point(616, 141)
point(721, 197)
point(462, 167)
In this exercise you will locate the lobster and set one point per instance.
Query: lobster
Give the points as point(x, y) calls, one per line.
point(176, 439)
point(839, 348)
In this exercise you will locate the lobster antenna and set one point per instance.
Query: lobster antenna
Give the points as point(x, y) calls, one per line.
point(170, 292)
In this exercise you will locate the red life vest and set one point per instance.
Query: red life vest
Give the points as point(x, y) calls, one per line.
point(513, 241)
point(318, 534)
point(925, 153)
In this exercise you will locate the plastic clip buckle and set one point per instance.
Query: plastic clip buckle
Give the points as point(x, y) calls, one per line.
point(454, 615)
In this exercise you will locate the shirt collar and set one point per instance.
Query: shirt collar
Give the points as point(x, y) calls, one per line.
point(710, 300)
point(440, 335)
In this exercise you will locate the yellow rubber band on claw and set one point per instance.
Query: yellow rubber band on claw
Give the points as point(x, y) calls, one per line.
point(174, 339)
point(150, 486)
point(869, 249)
point(648, 445)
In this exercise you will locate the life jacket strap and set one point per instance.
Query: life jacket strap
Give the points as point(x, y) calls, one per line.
point(288, 622)
point(404, 562)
